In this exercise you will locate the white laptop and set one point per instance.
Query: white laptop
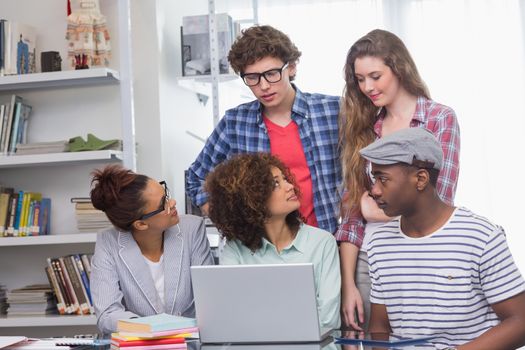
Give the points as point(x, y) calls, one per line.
point(256, 304)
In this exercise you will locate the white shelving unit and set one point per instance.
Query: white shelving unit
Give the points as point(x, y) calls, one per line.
point(58, 158)
point(60, 78)
point(48, 240)
point(48, 321)
point(65, 104)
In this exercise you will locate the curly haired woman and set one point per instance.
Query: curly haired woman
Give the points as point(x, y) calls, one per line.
point(254, 203)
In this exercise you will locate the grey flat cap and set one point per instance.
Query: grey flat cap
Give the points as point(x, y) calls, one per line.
point(414, 146)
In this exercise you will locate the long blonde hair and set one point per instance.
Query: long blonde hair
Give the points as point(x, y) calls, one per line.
point(358, 114)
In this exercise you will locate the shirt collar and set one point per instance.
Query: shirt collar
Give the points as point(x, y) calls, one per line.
point(298, 243)
point(299, 107)
point(420, 116)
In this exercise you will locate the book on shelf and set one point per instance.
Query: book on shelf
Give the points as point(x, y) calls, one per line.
point(5, 196)
point(24, 213)
point(42, 147)
point(19, 130)
point(14, 120)
point(3, 299)
point(89, 219)
point(9, 114)
point(17, 48)
point(31, 300)
point(71, 290)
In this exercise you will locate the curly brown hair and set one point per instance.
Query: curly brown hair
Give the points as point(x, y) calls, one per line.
point(258, 42)
point(239, 190)
point(117, 191)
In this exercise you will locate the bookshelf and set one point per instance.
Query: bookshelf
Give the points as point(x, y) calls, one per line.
point(58, 158)
point(95, 76)
point(48, 321)
point(48, 240)
point(66, 104)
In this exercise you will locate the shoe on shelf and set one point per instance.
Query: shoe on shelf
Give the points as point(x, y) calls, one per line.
point(77, 144)
point(94, 143)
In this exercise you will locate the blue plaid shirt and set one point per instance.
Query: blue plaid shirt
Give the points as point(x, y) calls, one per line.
point(242, 130)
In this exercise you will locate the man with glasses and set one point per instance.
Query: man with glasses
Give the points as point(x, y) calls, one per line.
point(299, 128)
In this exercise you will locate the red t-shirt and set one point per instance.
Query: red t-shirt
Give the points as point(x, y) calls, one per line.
point(285, 143)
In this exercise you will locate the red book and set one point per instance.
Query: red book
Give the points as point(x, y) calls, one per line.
point(164, 341)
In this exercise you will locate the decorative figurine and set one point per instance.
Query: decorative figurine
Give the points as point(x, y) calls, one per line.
point(88, 36)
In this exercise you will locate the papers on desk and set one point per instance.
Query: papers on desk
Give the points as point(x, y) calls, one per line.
point(42, 344)
point(385, 341)
point(7, 341)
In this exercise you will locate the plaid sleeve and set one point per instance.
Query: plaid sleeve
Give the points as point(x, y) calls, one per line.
point(352, 228)
point(447, 133)
point(215, 151)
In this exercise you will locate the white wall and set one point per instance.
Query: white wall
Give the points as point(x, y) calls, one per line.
point(180, 109)
point(145, 65)
point(467, 65)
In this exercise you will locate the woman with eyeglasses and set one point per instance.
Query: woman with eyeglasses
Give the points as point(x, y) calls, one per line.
point(141, 265)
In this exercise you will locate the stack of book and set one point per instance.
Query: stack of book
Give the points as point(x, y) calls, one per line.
point(24, 213)
point(14, 119)
point(42, 147)
point(89, 219)
point(160, 331)
point(3, 299)
point(32, 300)
point(69, 277)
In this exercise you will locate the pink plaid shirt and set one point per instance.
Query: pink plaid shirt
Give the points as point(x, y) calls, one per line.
point(442, 122)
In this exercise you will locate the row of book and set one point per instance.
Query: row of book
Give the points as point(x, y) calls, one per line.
point(17, 48)
point(14, 120)
point(89, 219)
point(31, 300)
point(24, 213)
point(69, 279)
point(161, 331)
point(3, 299)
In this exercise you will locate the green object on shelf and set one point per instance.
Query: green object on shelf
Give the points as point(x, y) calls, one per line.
point(77, 144)
point(94, 143)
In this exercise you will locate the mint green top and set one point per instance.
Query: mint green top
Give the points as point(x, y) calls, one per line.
point(311, 245)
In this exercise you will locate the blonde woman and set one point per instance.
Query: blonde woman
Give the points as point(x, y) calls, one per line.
point(384, 93)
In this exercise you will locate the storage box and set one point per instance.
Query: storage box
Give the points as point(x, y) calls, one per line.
point(195, 43)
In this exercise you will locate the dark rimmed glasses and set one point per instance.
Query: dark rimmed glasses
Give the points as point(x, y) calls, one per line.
point(165, 206)
point(272, 76)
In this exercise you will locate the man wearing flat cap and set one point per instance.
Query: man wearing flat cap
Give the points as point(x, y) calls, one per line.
point(437, 270)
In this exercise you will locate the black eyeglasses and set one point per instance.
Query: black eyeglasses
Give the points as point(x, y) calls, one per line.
point(272, 76)
point(165, 206)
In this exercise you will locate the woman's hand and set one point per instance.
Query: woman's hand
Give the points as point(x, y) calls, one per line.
point(371, 212)
point(352, 303)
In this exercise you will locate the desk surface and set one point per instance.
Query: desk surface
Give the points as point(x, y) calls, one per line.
point(327, 344)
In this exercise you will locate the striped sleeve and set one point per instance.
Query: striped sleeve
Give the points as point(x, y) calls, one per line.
point(499, 276)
